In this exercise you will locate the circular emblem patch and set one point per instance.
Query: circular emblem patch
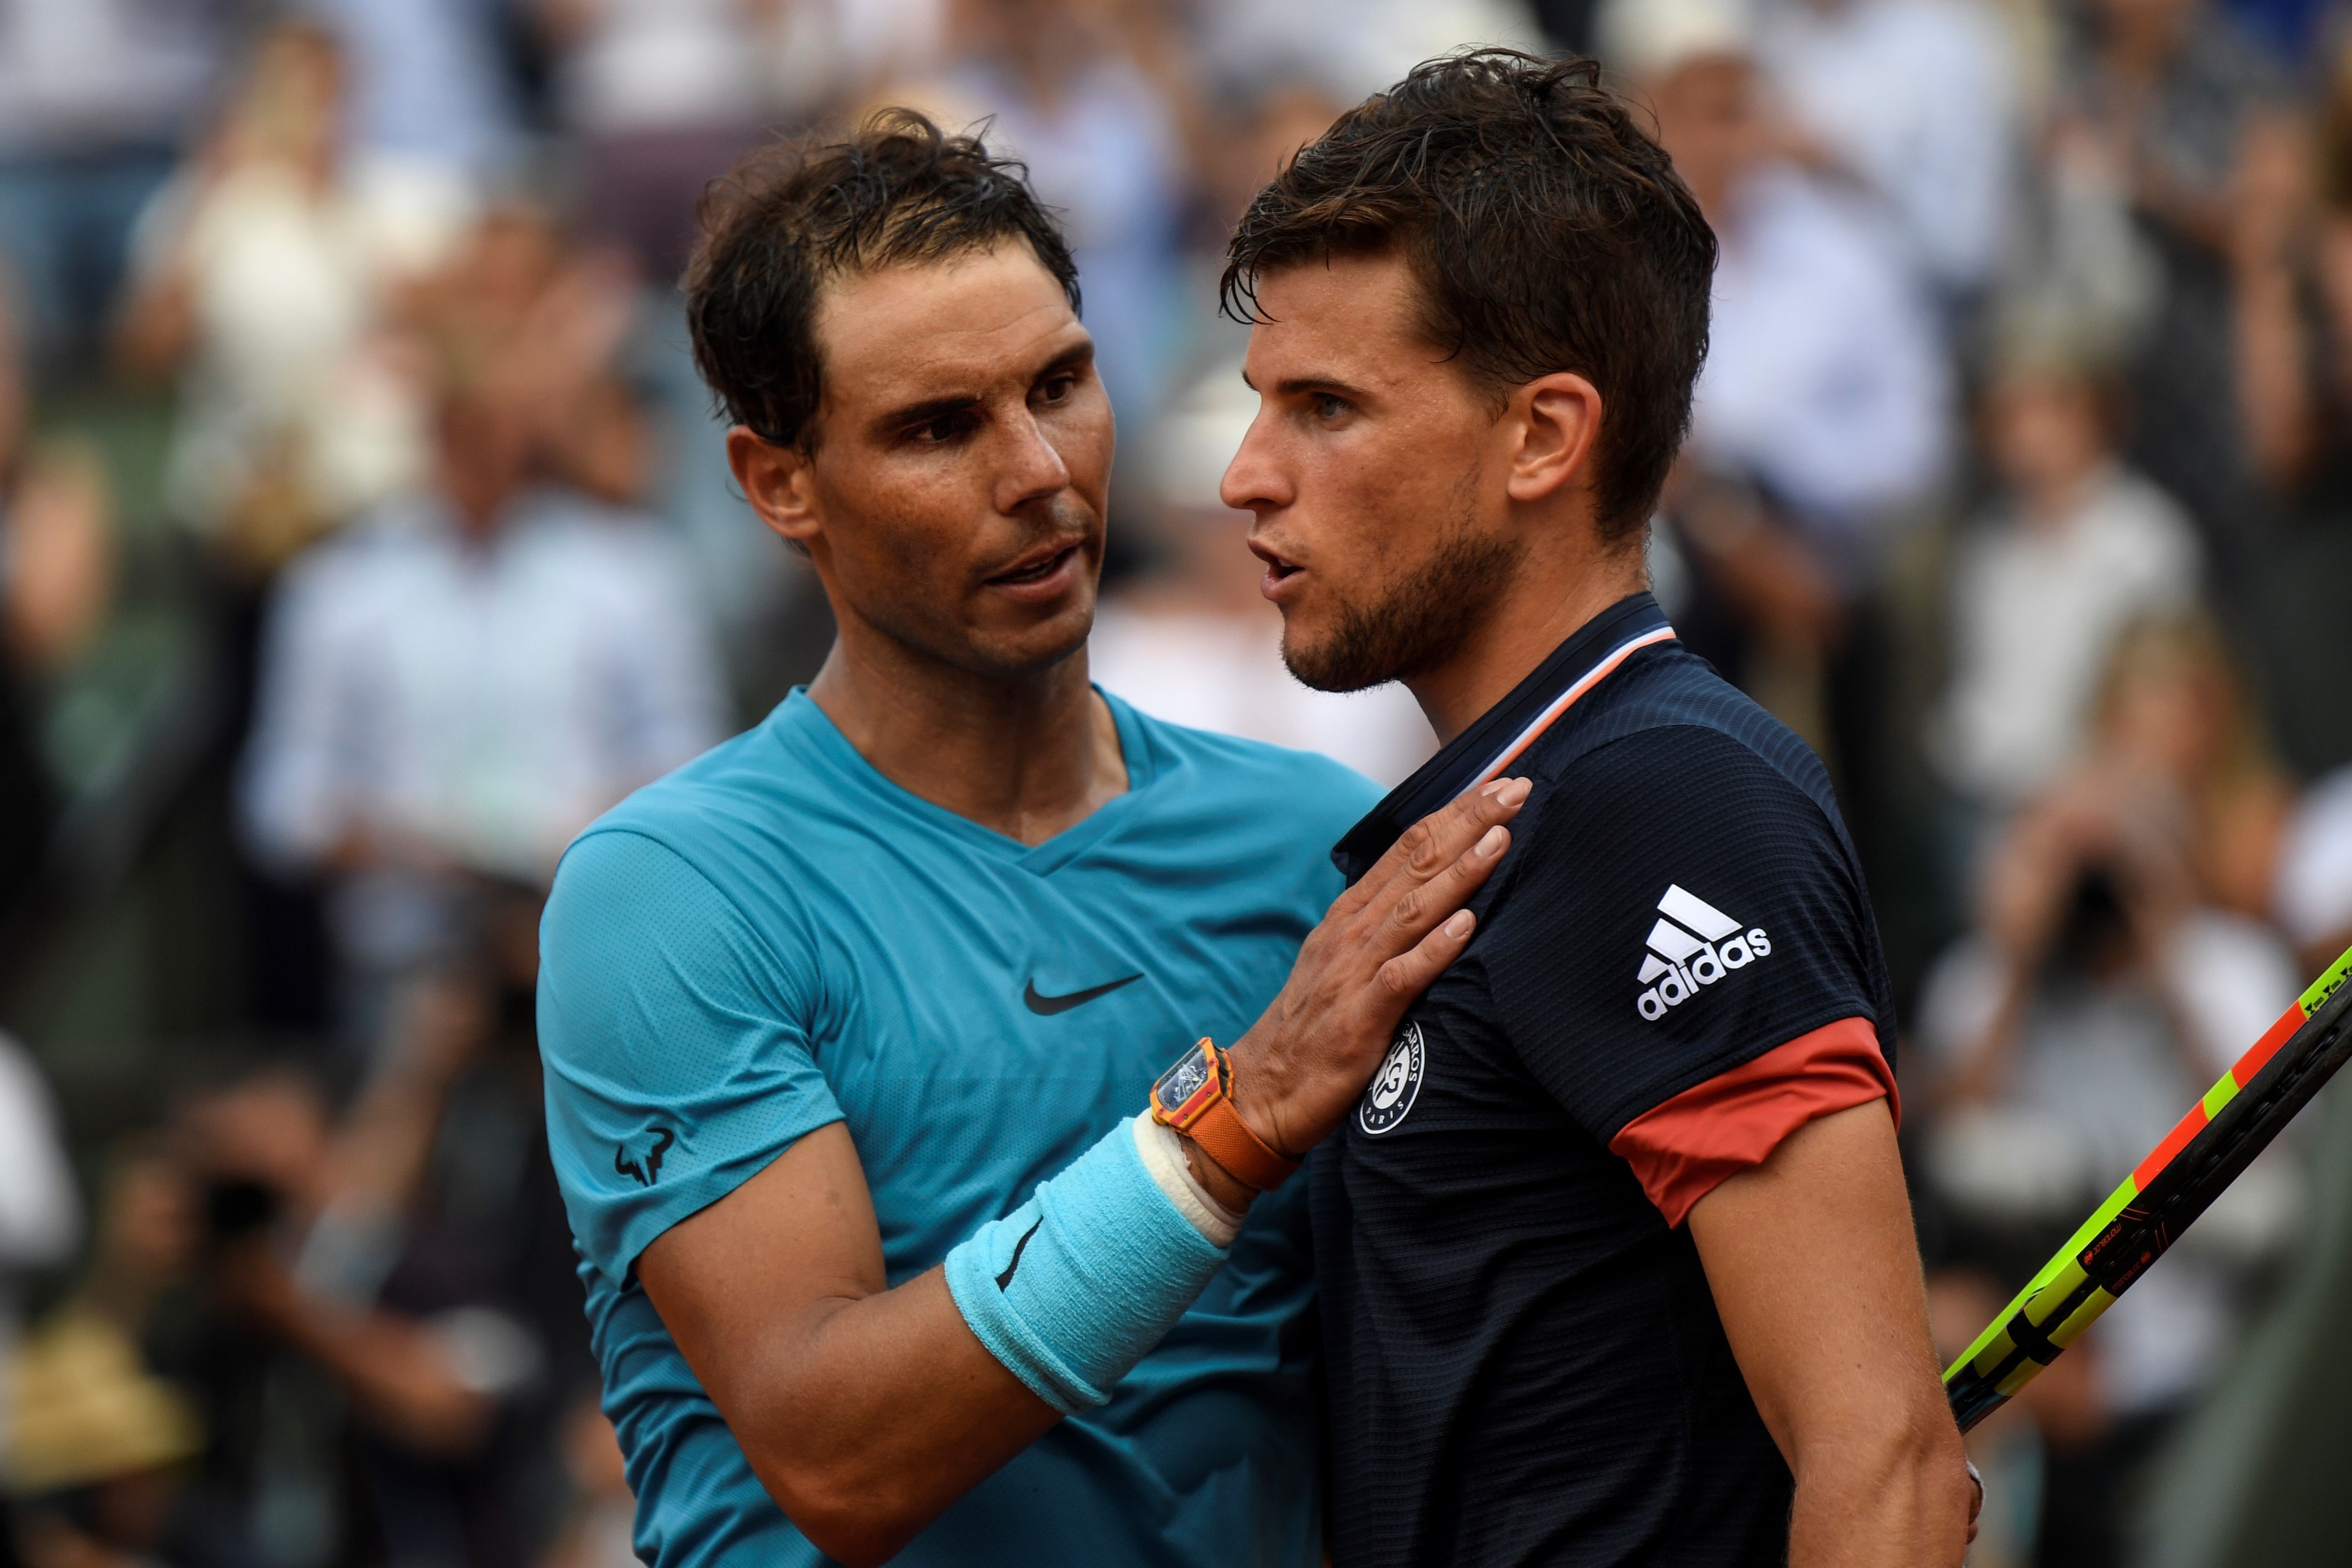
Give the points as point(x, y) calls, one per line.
point(1395, 1085)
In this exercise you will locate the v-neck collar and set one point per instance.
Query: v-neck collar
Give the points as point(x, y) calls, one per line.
point(1496, 737)
point(798, 717)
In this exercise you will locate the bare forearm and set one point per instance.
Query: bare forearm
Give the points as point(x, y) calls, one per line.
point(880, 1412)
point(1860, 1503)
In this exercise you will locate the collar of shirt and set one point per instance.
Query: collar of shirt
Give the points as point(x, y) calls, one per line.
point(1496, 737)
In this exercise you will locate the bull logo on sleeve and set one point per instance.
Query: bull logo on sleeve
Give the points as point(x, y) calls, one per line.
point(648, 1170)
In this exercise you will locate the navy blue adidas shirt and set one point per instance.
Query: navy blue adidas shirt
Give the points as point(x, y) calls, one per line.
point(1524, 1362)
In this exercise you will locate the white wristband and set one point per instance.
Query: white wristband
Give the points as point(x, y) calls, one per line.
point(1163, 1156)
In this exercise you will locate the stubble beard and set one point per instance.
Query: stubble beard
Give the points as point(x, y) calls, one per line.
point(1416, 620)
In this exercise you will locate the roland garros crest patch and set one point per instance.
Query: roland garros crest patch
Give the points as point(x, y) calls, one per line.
point(1395, 1088)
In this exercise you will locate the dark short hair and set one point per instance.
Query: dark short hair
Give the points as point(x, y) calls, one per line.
point(1543, 230)
point(796, 214)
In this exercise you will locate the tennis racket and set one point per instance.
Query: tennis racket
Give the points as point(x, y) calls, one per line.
point(2181, 1177)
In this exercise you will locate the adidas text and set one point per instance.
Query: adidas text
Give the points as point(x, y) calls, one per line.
point(1694, 944)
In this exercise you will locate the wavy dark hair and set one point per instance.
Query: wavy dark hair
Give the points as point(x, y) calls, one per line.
point(1545, 230)
point(796, 214)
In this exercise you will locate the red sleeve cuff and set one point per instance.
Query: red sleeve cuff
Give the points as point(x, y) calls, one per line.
point(1683, 1149)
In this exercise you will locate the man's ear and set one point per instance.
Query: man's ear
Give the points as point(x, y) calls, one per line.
point(776, 480)
point(1558, 418)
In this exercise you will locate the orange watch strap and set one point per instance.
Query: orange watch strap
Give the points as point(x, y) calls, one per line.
point(1225, 1138)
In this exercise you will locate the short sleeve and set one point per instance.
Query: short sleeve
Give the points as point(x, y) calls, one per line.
point(1679, 909)
point(676, 1043)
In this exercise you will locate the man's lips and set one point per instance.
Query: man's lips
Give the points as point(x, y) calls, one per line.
point(1042, 573)
point(1281, 572)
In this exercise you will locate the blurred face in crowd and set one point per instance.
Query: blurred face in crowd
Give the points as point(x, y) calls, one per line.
point(2144, 29)
point(2045, 433)
point(954, 497)
point(1379, 477)
point(2169, 705)
point(1711, 125)
point(290, 109)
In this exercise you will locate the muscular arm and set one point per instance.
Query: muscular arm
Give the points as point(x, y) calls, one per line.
point(1816, 1275)
point(866, 1411)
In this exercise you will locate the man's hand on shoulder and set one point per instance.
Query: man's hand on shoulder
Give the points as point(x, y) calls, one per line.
point(1816, 1275)
point(1383, 940)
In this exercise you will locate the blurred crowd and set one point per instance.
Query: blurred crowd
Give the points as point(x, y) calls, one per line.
point(364, 532)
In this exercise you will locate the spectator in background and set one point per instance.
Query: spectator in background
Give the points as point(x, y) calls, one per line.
point(96, 96)
point(57, 581)
point(1346, 49)
point(2312, 898)
point(1916, 102)
point(2291, 270)
point(2168, 90)
point(97, 1449)
point(2074, 547)
point(1825, 378)
point(2109, 982)
point(40, 1220)
point(429, 87)
point(662, 96)
point(452, 690)
point(263, 279)
point(364, 1314)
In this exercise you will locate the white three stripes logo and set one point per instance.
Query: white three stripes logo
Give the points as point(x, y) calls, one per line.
point(1693, 945)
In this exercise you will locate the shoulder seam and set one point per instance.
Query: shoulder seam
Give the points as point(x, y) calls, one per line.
point(625, 831)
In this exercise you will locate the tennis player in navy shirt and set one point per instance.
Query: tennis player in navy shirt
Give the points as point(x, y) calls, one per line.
point(1614, 1255)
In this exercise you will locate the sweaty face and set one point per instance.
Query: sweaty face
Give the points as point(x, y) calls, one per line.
point(1371, 472)
point(963, 453)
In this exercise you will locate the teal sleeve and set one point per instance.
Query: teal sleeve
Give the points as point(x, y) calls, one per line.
point(675, 1038)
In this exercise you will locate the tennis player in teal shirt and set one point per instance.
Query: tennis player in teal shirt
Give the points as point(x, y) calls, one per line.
point(807, 942)
point(850, 1026)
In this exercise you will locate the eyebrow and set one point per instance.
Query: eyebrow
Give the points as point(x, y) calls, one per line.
point(1310, 386)
point(913, 414)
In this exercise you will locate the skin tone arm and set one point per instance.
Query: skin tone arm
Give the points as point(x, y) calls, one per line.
point(865, 1410)
point(1852, 1398)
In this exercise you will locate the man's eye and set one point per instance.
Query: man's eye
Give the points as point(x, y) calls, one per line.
point(1330, 407)
point(945, 428)
point(1056, 388)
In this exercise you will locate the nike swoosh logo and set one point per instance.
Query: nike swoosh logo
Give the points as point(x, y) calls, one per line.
point(1004, 1280)
point(1047, 1006)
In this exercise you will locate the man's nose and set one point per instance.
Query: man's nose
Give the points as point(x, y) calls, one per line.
point(1034, 468)
point(1252, 481)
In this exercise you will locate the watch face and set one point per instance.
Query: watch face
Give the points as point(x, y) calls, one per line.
point(1182, 1081)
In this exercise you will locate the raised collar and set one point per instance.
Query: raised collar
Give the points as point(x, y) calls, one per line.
point(1496, 737)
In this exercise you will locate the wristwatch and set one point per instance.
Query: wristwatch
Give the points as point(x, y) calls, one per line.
point(1195, 1098)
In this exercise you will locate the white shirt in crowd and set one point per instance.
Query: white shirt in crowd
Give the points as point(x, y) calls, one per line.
point(1825, 377)
point(486, 699)
point(40, 1213)
point(288, 286)
point(1225, 673)
point(1919, 98)
point(2313, 900)
point(2034, 610)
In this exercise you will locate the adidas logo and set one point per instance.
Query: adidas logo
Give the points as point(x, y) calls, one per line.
point(1694, 944)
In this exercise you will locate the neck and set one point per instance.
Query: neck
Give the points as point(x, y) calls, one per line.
point(2057, 499)
point(1028, 755)
point(1549, 597)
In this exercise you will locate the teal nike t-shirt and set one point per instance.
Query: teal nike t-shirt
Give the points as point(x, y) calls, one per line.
point(777, 937)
